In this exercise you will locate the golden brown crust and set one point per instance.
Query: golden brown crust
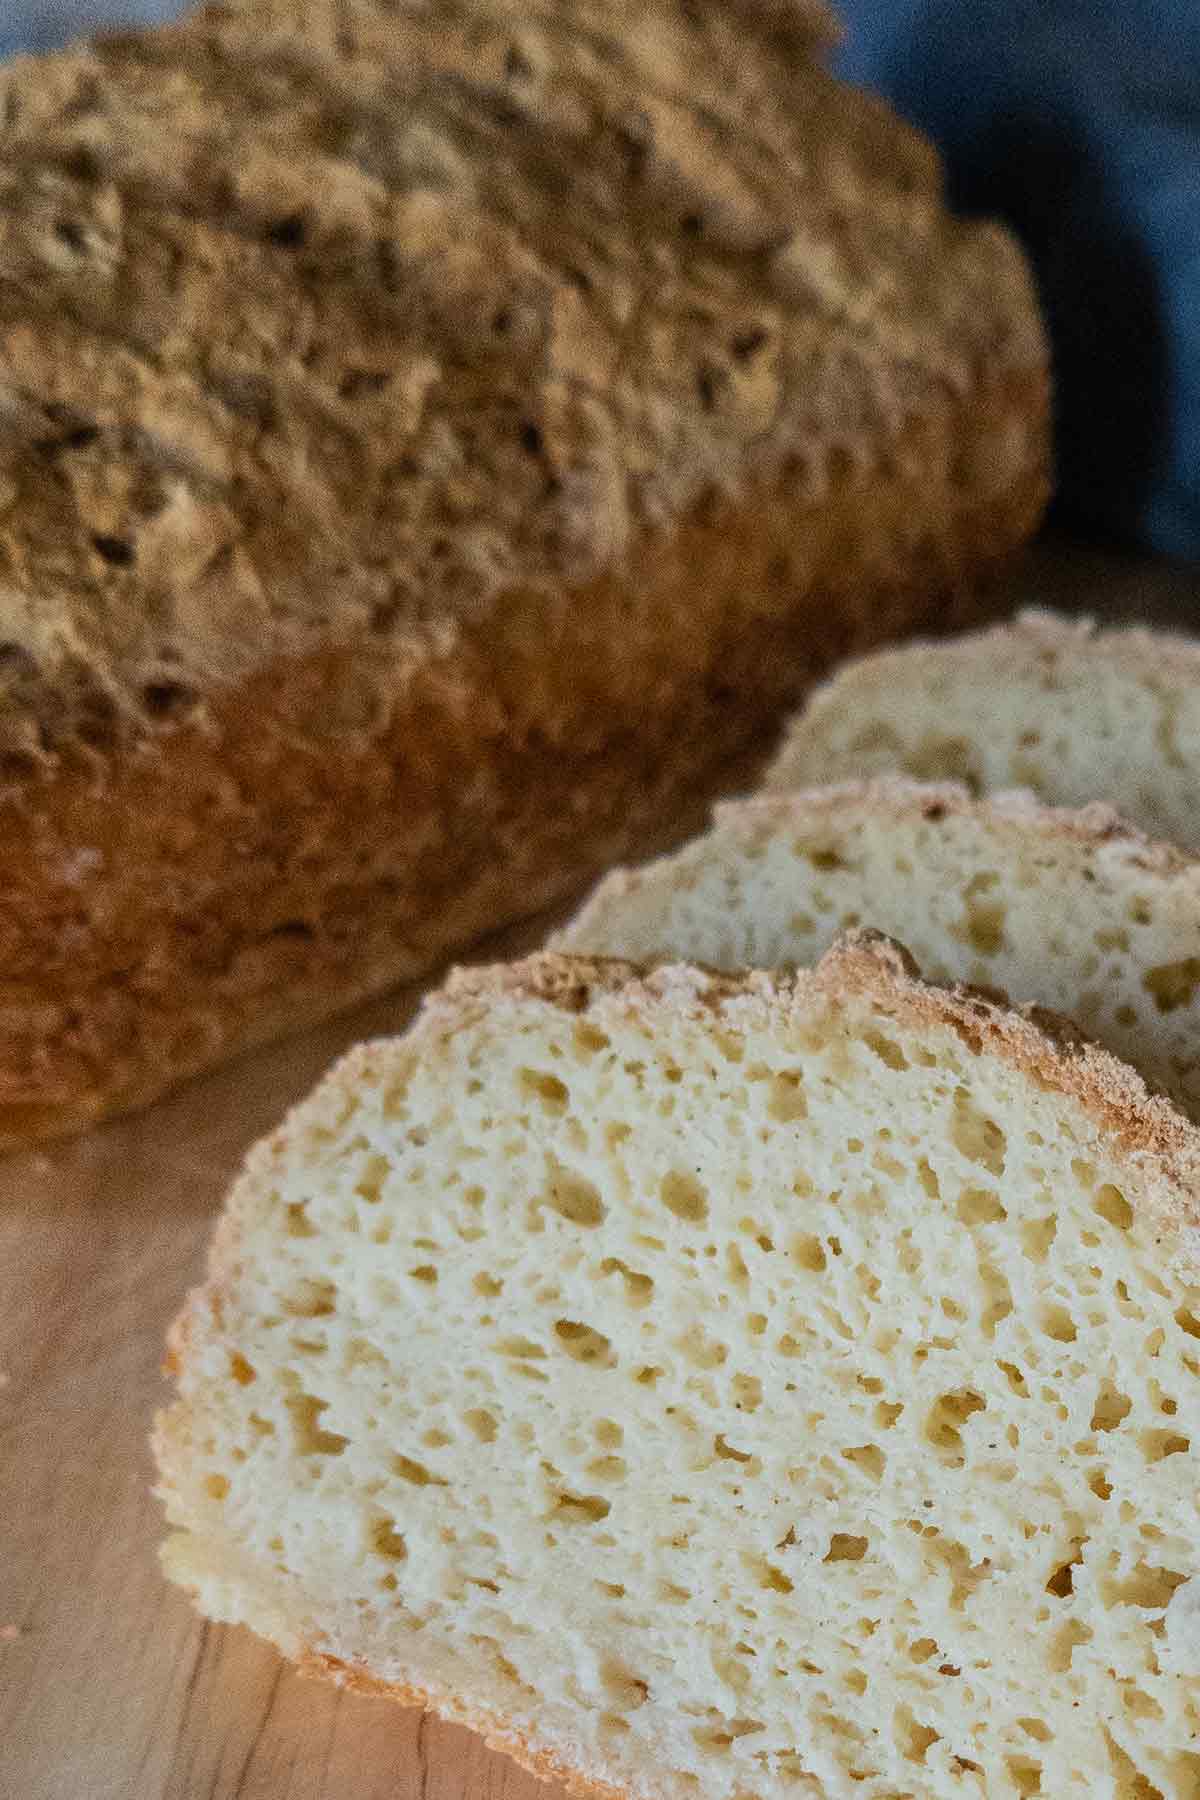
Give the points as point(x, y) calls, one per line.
point(377, 821)
point(492, 1729)
point(1031, 1038)
point(369, 514)
point(332, 357)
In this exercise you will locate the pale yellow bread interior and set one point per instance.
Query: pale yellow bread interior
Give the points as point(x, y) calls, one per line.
point(1060, 706)
point(1074, 909)
point(720, 1387)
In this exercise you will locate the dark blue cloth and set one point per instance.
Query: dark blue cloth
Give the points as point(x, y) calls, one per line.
point(1078, 121)
point(45, 24)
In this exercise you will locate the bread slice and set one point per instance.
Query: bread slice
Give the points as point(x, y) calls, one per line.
point(362, 436)
point(1075, 910)
point(1058, 706)
point(713, 1386)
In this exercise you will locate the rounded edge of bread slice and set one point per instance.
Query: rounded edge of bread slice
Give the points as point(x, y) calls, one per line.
point(946, 711)
point(752, 819)
point(1075, 909)
point(871, 965)
point(1143, 1129)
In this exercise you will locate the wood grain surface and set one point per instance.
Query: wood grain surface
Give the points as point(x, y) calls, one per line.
point(110, 1687)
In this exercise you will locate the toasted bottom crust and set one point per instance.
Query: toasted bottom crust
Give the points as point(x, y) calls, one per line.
point(542, 1763)
point(341, 823)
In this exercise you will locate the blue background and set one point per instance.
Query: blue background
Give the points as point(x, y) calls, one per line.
point(43, 24)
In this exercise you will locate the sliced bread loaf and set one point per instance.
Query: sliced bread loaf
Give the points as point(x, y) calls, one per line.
point(717, 1387)
point(1054, 705)
point(1075, 910)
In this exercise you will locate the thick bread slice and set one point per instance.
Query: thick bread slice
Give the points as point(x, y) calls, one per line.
point(1075, 910)
point(426, 464)
point(715, 1386)
point(1058, 706)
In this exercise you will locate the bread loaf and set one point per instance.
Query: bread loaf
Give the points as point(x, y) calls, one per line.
point(714, 1386)
point(1058, 706)
point(1075, 910)
point(433, 442)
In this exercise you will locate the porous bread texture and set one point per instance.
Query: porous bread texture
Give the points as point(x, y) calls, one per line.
point(719, 1386)
point(1076, 910)
point(1071, 712)
point(425, 465)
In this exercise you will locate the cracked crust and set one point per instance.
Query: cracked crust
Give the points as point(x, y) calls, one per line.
point(333, 357)
point(866, 964)
point(353, 489)
point(1031, 1038)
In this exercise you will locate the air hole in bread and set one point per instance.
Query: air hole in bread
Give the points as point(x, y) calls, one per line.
point(310, 1438)
point(574, 1198)
point(584, 1344)
point(1173, 985)
point(1112, 1407)
point(684, 1196)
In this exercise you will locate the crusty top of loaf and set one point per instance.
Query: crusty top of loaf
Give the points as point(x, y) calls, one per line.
point(324, 318)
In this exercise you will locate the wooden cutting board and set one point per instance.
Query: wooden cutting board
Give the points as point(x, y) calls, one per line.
point(110, 1687)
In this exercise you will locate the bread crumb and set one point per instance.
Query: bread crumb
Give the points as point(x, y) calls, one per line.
point(738, 1365)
